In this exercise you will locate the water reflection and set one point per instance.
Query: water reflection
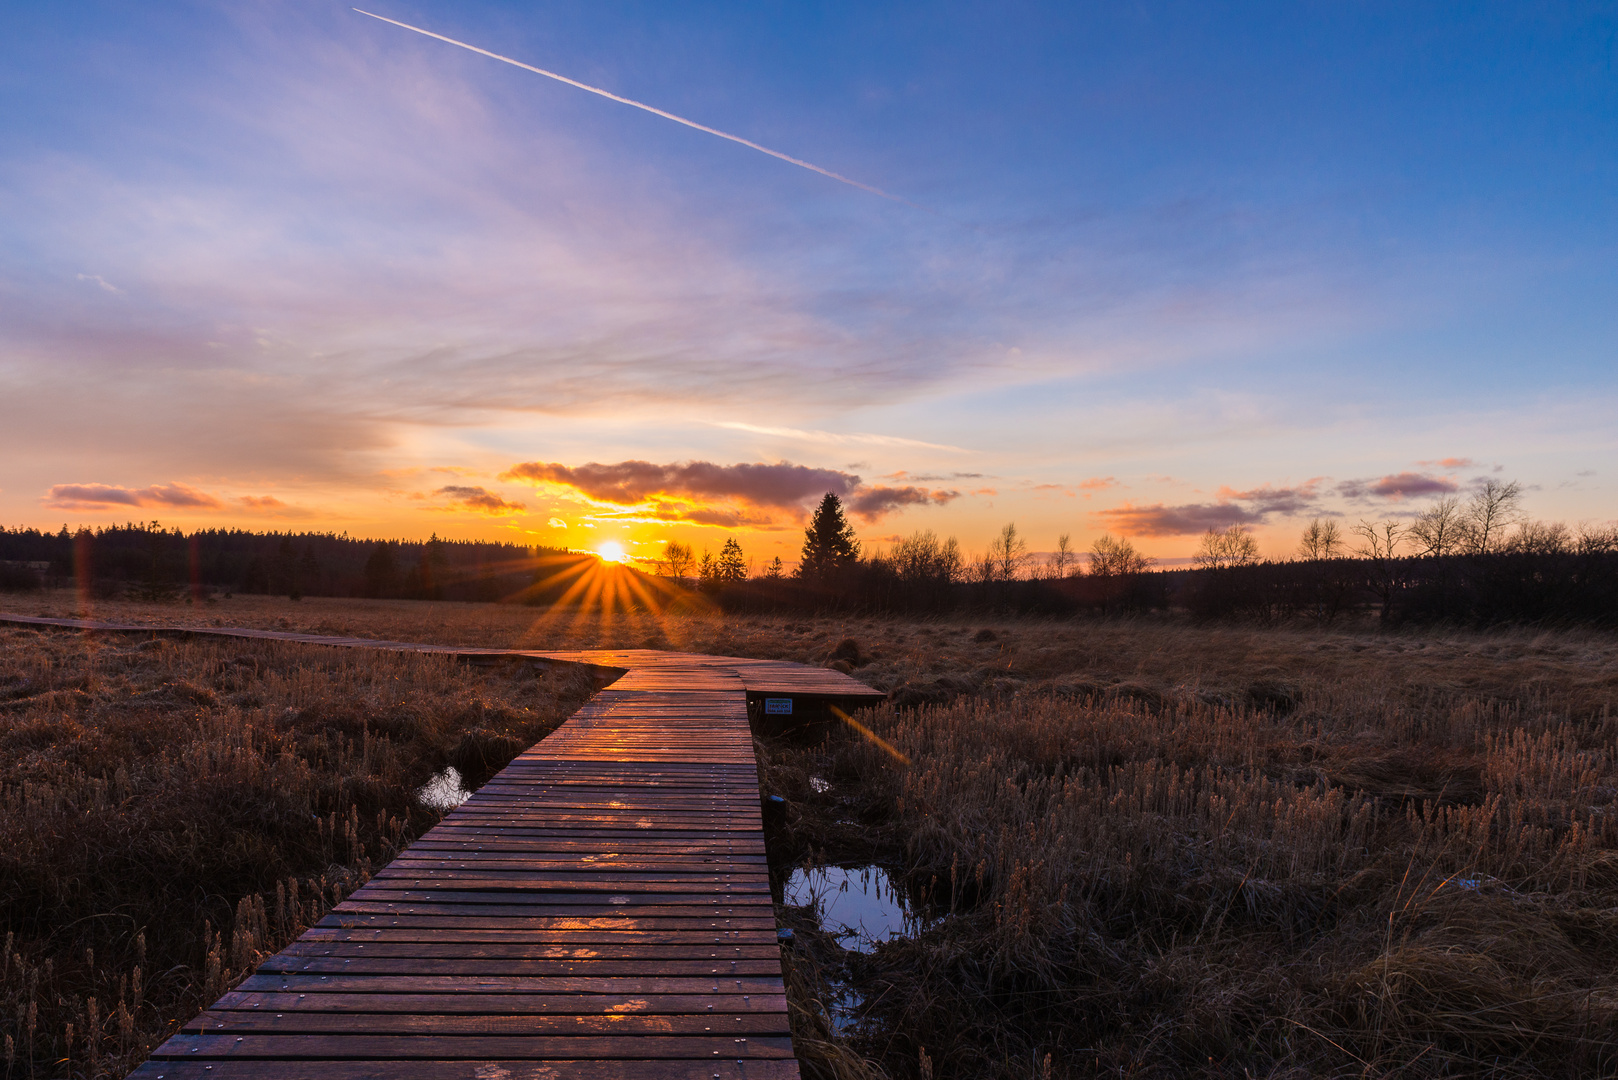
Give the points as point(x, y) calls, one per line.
point(445, 791)
point(858, 905)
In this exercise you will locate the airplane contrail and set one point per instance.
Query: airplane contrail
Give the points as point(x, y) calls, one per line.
point(649, 108)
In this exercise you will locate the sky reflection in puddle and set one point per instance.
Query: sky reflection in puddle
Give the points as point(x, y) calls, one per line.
point(857, 904)
point(445, 791)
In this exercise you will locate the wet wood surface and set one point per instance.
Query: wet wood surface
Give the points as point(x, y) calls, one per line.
point(600, 908)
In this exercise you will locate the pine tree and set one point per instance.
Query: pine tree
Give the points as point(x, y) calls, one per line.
point(828, 543)
point(732, 564)
point(775, 570)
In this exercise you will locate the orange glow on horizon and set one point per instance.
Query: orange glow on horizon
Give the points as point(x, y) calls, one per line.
point(612, 551)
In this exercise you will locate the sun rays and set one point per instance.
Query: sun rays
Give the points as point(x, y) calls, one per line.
point(582, 592)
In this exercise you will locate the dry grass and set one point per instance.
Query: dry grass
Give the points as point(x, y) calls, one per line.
point(172, 810)
point(1248, 854)
point(1164, 850)
point(941, 659)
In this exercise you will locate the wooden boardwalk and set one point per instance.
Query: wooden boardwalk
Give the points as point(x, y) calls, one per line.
point(601, 908)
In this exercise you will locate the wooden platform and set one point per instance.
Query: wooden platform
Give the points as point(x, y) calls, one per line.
point(601, 908)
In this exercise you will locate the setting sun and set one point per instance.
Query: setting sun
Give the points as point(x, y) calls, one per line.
point(612, 551)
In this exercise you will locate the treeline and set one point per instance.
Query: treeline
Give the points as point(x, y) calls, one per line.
point(147, 561)
point(1480, 562)
point(1576, 584)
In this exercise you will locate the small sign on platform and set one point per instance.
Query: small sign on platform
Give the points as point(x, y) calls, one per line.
point(778, 706)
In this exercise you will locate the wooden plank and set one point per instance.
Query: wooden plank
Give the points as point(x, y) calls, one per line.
point(494, 1069)
point(507, 1004)
point(423, 1023)
point(582, 916)
point(611, 949)
point(449, 937)
point(408, 900)
point(510, 984)
point(441, 1047)
point(519, 967)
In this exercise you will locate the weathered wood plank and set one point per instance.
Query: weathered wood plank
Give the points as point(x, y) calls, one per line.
point(493, 1069)
point(441, 1047)
point(707, 1004)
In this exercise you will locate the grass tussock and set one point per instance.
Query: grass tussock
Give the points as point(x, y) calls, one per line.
point(173, 810)
point(1372, 873)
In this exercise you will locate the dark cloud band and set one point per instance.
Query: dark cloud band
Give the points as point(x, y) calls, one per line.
point(706, 493)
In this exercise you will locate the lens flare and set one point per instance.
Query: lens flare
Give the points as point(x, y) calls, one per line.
point(612, 551)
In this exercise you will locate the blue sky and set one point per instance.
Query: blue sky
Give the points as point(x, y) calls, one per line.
point(283, 265)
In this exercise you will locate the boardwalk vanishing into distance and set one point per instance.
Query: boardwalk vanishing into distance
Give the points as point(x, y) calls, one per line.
point(600, 908)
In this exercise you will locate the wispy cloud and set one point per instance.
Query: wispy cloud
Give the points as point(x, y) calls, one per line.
point(838, 437)
point(1396, 486)
point(1185, 520)
point(874, 502)
point(103, 283)
point(931, 478)
point(105, 496)
point(1268, 499)
point(479, 500)
point(1253, 506)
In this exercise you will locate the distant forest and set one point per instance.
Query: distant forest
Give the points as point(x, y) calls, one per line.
point(1534, 575)
point(1508, 588)
point(148, 561)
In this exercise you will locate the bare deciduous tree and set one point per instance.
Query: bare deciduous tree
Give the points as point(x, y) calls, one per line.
point(1114, 557)
point(1226, 547)
point(1595, 539)
point(1321, 540)
point(922, 558)
point(1540, 538)
point(1062, 561)
point(1379, 546)
point(1489, 513)
point(1008, 553)
point(1439, 530)
point(1379, 539)
point(677, 560)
